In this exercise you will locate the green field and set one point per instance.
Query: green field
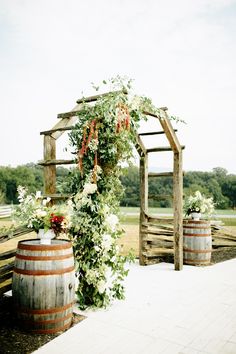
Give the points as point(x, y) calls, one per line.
point(130, 215)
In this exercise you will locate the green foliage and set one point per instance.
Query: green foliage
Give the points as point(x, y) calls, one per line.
point(102, 139)
point(29, 175)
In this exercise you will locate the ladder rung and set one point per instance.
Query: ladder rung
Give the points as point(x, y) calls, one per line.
point(154, 133)
point(160, 174)
point(56, 162)
point(161, 196)
point(162, 149)
point(48, 132)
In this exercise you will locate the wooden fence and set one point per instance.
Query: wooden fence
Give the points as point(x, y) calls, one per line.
point(5, 211)
point(7, 260)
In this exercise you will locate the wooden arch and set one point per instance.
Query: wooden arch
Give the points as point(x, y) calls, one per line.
point(157, 236)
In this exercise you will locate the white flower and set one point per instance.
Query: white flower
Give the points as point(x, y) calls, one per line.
point(112, 221)
point(106, 209)
point(101, 286)
point(45, 201)
point(39, 213)
point(106, 242)
point(38, 195)
point(135, 102)
point(90, 188)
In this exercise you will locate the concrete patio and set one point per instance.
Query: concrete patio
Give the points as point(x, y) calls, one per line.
point(165, 311)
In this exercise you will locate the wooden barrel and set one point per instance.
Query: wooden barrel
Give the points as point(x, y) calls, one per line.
point(197, 242)
point(43, 285)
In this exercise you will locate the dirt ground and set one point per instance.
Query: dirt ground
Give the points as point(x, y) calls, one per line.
point(14, 340)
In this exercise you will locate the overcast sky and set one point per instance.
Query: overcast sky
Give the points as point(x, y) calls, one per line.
point(181, 53)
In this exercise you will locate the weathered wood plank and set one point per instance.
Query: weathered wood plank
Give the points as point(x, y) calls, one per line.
point(160, 174)
point(49, 132)
point(14, 233)
point(160, 220)
point(56, 162)
point(170, 134)
point(157, 244)
point(6, 268)
point(164, 227)
point(153, 237)
point(163, 148)
point(7, 255)
point(143, 171)
point(158, 233)
point(49, 170)
point(178, 210)
point(5, 277)
point(221, 242)
point(153, 133)
point(160, 196)
point(157, 252)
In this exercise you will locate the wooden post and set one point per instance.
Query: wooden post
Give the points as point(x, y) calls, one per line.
point(50, 170)
point(143, 203)
point(178, 210)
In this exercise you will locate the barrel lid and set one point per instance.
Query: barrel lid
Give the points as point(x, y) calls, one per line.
point(33, 244)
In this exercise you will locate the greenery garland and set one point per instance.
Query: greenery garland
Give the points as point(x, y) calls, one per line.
point(102, 138)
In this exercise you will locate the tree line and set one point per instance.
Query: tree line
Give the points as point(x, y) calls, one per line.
point(218, 183)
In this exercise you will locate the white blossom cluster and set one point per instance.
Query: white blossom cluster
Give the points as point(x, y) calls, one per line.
point(198, 203)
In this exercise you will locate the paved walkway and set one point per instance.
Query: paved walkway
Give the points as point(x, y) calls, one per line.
point(165, 311)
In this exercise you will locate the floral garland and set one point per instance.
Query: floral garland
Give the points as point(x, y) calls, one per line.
point(102, 138)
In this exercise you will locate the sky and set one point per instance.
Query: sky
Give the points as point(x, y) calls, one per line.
point(181, 54)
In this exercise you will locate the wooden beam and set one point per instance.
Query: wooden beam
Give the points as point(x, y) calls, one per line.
point(143, 172)
point(157, 252)
point(49, 170)
point(56, 162)
point(160, 196)
point(86, 100)
point(49, 132)
point(159, 149)
point(170, 133)
point(154, 133)
point(160, 174)
point(163, 148)
point(7, 254)
point(178, 210)
point(140, 146)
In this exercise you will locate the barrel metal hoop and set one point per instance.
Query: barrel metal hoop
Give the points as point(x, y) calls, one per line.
point(45, 322)
point(43, 272)
point(197, 251)
point(196, 227)
point(195, 261)
point(44, 311)
point(197, 235)
point(53, 330)
point(44, 258)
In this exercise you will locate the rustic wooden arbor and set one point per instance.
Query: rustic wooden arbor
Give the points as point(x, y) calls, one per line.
point(157, 236)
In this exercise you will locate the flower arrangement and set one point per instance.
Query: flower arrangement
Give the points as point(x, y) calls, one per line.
point(198, 203)
point(102, 138)
point(35, 212)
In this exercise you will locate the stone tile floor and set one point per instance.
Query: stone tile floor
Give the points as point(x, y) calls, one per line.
point(165, 311)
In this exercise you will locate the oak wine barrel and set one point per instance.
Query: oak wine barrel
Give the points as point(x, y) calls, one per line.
point(43, 285)
point(197, 242)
